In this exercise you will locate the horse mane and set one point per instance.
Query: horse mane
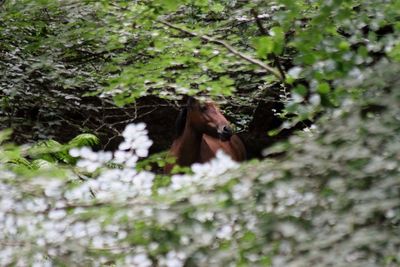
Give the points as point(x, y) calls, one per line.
point(180, 122)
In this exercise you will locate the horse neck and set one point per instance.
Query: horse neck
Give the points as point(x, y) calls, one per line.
point(189, 146)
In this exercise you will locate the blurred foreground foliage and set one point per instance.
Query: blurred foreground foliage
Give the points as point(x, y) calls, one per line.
point(331, 200)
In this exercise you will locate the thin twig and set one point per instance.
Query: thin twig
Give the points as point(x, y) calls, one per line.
point(263, 31)
point(254, 61)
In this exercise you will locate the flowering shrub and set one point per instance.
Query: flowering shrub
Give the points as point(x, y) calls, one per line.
point(69, 217)
point(331, 201)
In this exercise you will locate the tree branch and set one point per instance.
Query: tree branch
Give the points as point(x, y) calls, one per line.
point(263, 31)
point(206, 38)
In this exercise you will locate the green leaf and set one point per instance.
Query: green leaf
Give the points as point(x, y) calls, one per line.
point(301, 90)
point(217, 8)
point(201, 3)
point(264, 46)
point(395, 53)
point(278, 36)
point(5, 135)
point(323, 88)
point(270, 44)
point(171, 5)
point(344, 46)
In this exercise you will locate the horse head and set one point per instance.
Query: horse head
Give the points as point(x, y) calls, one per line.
point(205, 117)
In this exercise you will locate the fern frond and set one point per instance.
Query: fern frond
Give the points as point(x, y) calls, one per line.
point(44, 147)
point(5, 135)
point(85, 139)
point(21, 162)
point(41, 164)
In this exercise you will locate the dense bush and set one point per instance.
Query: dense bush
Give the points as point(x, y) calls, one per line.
point(332, 200)
point(56, 54)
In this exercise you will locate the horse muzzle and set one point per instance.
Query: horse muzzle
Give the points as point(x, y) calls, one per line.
point(225, 133)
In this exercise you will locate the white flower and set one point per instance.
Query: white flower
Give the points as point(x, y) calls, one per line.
point(131, 162)
point(225, 232)
point(144, 180)
point(356, 74)
point(138, 260)
point(57, 214)
point(121, 157)
point(297, 98)
point(123, 39)
point(220, 164)
point(276, 7)
point(136, 139)
point(180, 181)
point(90, 160)
point(132, 131)
point(173, 259)
point(103, 156)
point(53, 188)
point(36, 205)
point(217, 166)
point(201, 169)
point(77, 230)
point(142, 152)
point(75, 152)
point(88, 165)
point(242, 190)
point(315, 99)
point(204, 216)
point(87, 153)
point(124, 145)
point(127, 175)
point(295, 72)
point(242, 18)
point(81, 192)
point(98, 241)
point(262, 16)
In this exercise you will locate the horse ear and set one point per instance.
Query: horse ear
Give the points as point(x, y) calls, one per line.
point(190, 102)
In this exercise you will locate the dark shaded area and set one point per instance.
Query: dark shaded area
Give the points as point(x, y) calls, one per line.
point(50, 114)
point(108, 121)
point(264, 120)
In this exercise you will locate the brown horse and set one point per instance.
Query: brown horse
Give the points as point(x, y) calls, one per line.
point(201, 131)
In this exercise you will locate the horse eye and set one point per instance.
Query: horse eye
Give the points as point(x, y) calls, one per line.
point(203, 108)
